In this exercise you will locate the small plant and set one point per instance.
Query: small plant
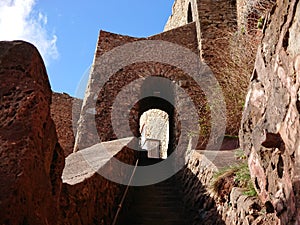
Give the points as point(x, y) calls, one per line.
point(252, 14)
point(233, 176)
point(243, 30)
point(243, 179)
point(260, 22)
point(191, 133)
point(230, 136)
point(240, 154)
point(251, 191)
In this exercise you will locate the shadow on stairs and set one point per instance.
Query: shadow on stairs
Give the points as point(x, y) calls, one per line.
point(157, 204)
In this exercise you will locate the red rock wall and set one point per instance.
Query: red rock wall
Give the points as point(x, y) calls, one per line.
point(31, 160)
point(65, 112)
point(270, 127)
point(92, 199)
point(214, 20)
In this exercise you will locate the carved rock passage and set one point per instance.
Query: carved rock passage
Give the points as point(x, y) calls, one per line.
point(31, 160)
point(270, 127)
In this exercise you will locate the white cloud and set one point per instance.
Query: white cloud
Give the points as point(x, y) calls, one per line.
point(19, 21)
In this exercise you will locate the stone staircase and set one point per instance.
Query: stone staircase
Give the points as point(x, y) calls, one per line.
point(157, 204)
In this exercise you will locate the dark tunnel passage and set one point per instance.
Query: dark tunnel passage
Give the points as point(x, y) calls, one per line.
point(158, 93)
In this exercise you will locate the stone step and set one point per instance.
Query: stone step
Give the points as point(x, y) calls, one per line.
point(157, 204)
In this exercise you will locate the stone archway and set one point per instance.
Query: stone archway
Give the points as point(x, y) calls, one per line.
point(158, 93)
point(119, 103)
point(149, 103)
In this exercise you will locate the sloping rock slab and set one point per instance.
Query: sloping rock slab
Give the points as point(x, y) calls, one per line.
point(89, 196)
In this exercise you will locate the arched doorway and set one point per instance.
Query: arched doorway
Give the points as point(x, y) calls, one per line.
point(156, 106)
point(154, 129)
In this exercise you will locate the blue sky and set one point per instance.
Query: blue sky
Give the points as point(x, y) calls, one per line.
point(66, 31)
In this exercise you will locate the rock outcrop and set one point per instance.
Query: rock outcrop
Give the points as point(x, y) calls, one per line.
point(87, 197)
point(271, 127)
point(31, 160)
point(65, 112)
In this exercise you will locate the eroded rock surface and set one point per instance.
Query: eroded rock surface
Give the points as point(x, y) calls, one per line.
point(270, 127)
point(31, 160)
point(65, 112)
point(87, 197)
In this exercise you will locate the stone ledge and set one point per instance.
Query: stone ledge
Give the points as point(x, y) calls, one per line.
point(220, 158)
point(85, 163)
point(205, 205)
point(89, 197)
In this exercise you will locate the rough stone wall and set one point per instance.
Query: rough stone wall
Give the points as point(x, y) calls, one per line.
point(251, 14)
point(195, 179)
point(216, 23)
point(179, 16)
point(184, 36)
point(31, 159)
point(204, 205)
point(217, 26)
point(217, 20)
point(87, 197)
point(270, 126)
point(65, 112)
point(214, 20)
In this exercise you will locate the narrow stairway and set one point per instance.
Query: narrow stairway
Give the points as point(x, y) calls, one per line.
point(157, 204)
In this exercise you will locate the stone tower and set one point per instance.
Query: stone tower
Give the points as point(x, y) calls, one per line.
point(214, 20)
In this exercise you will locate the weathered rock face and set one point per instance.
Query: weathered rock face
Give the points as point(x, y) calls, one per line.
point(65, 112)
point(230, 205)
point(87, 197)
point(31, 160)
point(270, 127)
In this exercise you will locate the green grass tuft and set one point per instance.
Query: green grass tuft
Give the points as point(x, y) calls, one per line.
point(241, 177)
